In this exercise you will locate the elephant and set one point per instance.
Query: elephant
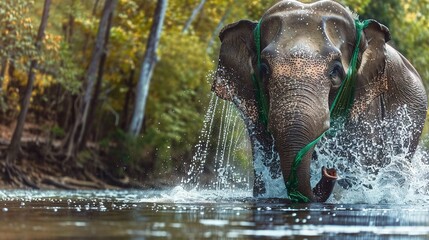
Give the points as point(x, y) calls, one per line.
point(296, 59)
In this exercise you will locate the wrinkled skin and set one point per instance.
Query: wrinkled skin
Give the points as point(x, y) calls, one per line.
point(305, 52)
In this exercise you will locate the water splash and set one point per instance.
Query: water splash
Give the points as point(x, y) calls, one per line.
point(224, 146)
point(200, 156)
point(274, 184)
point(222, 156)
point(365, 177)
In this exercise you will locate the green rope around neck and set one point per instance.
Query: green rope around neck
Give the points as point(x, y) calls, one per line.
point(339, 109)
point(261, 100)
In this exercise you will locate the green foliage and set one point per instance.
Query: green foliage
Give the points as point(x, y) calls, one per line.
point(357, 6)
point(16, 28)
point(127, 154)
point(57, 132)
point(255, 9)
point(69, 70)
point(16, 33)
point(58, 60)
point(411, 17)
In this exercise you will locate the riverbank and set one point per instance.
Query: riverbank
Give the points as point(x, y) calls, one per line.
point(42, 165)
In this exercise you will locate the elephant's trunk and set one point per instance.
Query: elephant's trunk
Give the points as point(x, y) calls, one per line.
point(323, 189)
point(293, 129)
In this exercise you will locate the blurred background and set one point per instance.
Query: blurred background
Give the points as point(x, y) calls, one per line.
point(74, 74)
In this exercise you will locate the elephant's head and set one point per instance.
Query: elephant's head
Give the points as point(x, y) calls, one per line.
point(305, 51)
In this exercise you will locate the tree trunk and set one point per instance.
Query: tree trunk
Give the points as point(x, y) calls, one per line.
point(76, 139)
point(93, 103)
point(66, 111)
point(147, 68)
point(3, 105)
point(86, 41)
point(2, 73)
point(60, 97)
point(16, 138)
point(68, 27)
point(194, 14)
point(125, 108)
point(100, 48)
point(10, 72)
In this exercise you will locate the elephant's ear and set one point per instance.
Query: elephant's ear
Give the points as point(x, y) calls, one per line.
point(374, 56)
point(233, 79)
point(371, 80)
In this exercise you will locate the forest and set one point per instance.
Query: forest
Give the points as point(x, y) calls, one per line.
point(113, 93)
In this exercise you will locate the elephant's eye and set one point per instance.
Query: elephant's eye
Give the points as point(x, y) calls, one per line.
point(336, 74)
point(265, 69)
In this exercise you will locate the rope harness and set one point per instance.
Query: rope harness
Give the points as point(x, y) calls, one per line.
point(339, 109)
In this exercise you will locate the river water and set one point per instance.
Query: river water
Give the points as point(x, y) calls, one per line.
point(390, 203)
point(181, 214)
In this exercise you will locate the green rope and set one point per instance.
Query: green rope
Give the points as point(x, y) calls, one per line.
point(344, 99)
point(339, 109)
point(257, 81)
point(292, 184)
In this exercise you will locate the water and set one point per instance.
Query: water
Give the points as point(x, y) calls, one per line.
point(393, 180)
point(215, 200)
point(208, 214)
point(223, 150)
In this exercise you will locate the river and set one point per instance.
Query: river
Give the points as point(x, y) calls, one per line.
point(181, 214)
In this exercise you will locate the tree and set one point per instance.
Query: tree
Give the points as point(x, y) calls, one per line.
point(16, 138)
point(77, 140)
point(194, 14)
point(147, 67)
point(94, 101)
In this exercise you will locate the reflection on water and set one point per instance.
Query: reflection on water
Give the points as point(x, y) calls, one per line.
point(180, 214)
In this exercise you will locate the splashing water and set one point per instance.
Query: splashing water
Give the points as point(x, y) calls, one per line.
point(224, 146)
point(272, 177)
point(200, 157)
point(224, 154)
point(394, 179)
